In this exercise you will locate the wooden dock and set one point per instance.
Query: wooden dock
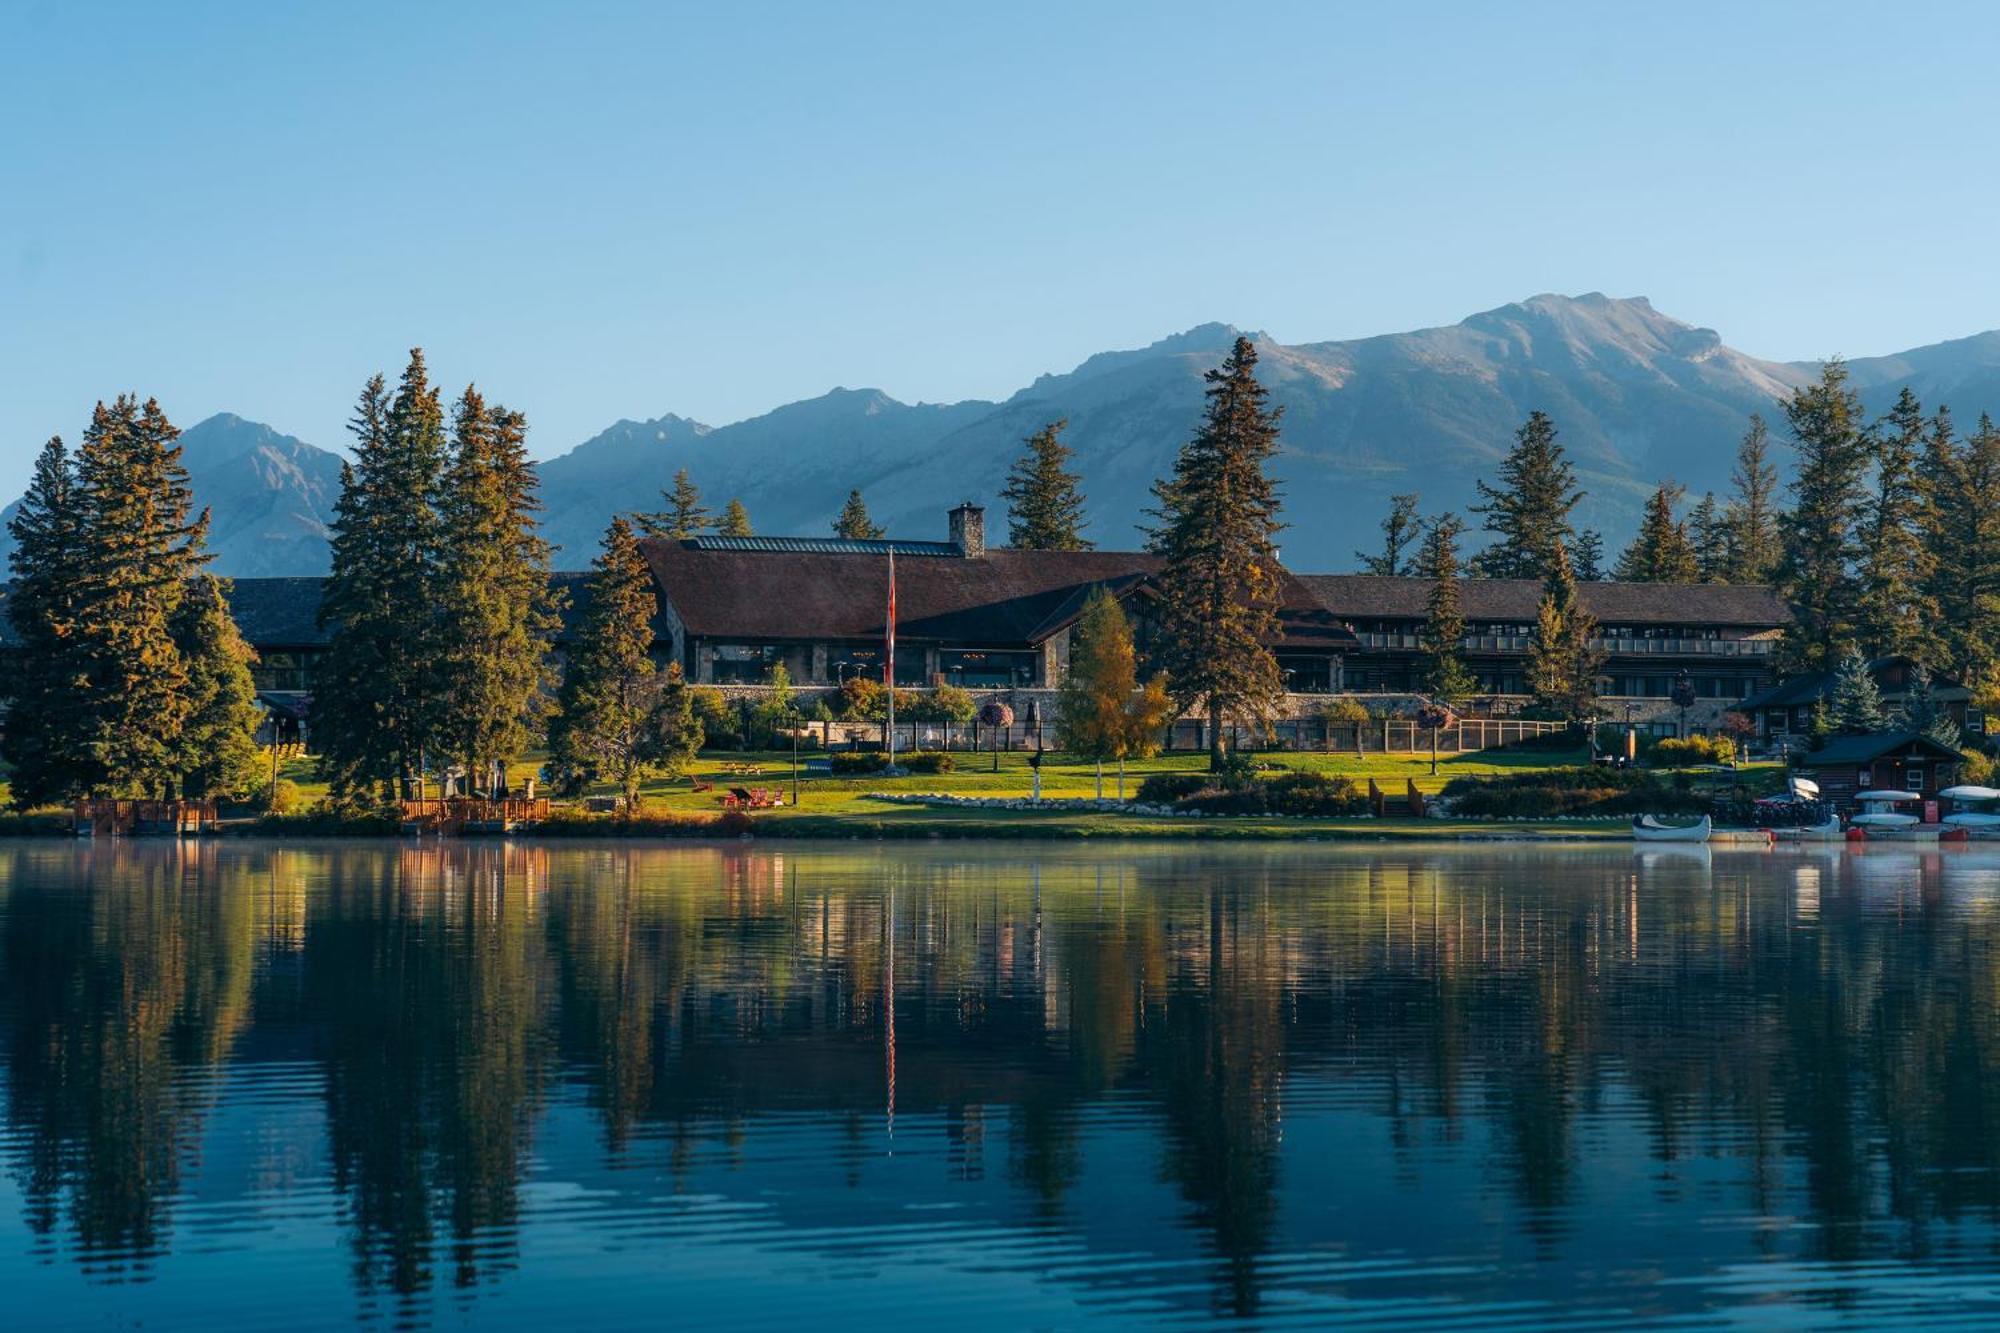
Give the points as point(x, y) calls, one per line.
point(463, 815)
point(120, 819)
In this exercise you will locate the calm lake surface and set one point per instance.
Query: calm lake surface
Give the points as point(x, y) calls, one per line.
point(997, 1086)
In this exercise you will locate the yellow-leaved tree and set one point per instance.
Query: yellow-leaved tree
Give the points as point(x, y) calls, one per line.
point(1102, 711)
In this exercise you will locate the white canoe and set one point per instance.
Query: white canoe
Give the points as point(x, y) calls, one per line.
point(1649, 828)
point(1884, 819)
point(1805, 789)
point(1830, 831)
point(1971, 793)
point(1973, 819)
point(1891, 797)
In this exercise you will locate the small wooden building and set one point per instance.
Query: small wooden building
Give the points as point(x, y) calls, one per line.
point(1881, 761)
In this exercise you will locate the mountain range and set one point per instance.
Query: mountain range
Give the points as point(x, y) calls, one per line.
point(1637, 396)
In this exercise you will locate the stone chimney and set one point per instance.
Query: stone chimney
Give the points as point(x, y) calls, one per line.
point(968, 530)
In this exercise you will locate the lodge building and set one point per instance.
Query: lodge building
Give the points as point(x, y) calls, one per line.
point(731, 610)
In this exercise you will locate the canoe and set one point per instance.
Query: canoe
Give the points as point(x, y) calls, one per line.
point(1892, 797)
point(1830, 831)
point(1649, 828)
point(1884, 819)
point(1973, 819)
point(1971, 793)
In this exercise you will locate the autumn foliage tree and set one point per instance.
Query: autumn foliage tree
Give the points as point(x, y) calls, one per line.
point(1102, 711)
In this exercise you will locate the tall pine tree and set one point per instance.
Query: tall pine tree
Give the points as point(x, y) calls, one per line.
point(1892, 614)
point(44, 741)
point(1442, 638)
point(1708, 533)
point(1661, 552)
point(497, 611)
point(1044, 506)
point(684, 516)
point(735, 521)
point(1961, 521)
point(1751, 517)
point(1816, 573)
point(140, 543)
point(1563, 655)
point(1528, 513)
point(1589, 562)
point(1857, 700)
point(854, 523)
point(1219, 581)
point(377, 701)
point(1401, 529)
point(217, 745)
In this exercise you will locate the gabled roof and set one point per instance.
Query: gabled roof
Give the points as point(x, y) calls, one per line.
point(278, 612)
point(1873, 745)
point(822, 545)
point(1809, 687)
point(1002, 597)
point(1378, 597)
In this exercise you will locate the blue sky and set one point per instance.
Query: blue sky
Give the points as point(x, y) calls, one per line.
point(603, 211)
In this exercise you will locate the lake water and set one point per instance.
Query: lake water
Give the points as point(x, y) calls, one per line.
point(997, 1086)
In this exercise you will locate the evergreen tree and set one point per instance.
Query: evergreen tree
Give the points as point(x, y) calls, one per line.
point(217, 753)
point(1563, 656)
point(1816, 572)
point(609, 723)
point(1589, 563)
point(1661, 553)
point(684, 516)
point(45, 739)
point(1101, 710)
point(497, 612)
point(1751, 517)
point(1857, 702)
point(1401, 529)
point(377, 698)
point(1921, 712)
point(1044, 506)
point(1962, 530)
point(1893, 615)
point(854, 523)
point(673, 732)
point(735, 521)
point(1708, 532)
point(1528, 513)
point(1445, 675)
point(139, 546)
point(1219, 580)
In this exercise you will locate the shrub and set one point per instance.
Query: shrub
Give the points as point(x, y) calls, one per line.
point(721, 725)
point(1553, 792)
point(863, 761)
point(1166, 788)
point(1224, 801)
point(1313, 794)
point(1977, 769)
point(1674, 753)
point(927, 761)
point(281, 797)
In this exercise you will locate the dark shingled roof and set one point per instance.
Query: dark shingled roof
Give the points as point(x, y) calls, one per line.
point(1812, 686)
point(1376, 597)
point(1003, 597)
point(1870, 746)
point(278, 613)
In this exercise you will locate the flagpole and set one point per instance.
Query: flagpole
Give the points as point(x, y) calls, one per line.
point(889, 667)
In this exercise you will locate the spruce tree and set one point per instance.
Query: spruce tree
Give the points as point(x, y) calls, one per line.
point(673, 733)
point(1661, 552)
point(45, 740)
point(1446, 678)
point(735, 521)
point(1219, 581)
point(1893, 614)
point(217, 746)
point(1962, 531)
point(684, 516)
point(1708, 532)
point(604, 727)
point(1816, 574)
point(1751, 517)
point(377, 701)
point(497, 611)
point(1589, 562)
point(1857, 702)
point(140, 544)
point(1528, 513)
point(1563, 656)
point(1922, 713)
point(1401, 529)
point(854, 523)
point(1101, 710)
point(1044, 506)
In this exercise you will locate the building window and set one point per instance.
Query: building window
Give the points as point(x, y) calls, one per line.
point(1306, 675)
point(985, 668)
point(743, 663)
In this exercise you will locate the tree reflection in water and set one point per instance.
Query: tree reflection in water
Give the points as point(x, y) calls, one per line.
point(1823, 1024)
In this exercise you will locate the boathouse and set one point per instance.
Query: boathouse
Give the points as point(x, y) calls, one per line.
point(1881, 761)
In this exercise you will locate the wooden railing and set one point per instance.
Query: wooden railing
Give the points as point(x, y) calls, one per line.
point(455, 814)
point(114, 818)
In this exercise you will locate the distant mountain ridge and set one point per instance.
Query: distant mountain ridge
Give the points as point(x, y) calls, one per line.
point(1637, 395)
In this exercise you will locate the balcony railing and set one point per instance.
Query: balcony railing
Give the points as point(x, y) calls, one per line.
point(1518, 643)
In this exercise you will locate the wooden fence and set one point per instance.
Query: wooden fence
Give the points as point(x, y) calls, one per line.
point(112, 819)
point(1389, 735)
point(470, 814)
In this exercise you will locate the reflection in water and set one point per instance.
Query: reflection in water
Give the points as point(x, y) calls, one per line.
point(1041, 1085)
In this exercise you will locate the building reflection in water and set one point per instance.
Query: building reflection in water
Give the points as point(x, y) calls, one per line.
point(1262, 1054)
